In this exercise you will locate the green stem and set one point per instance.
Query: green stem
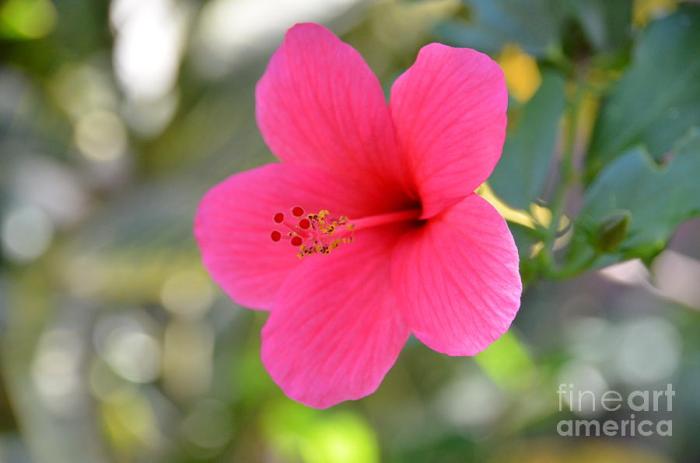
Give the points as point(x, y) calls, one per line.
point(567, 178)
point(575, 268)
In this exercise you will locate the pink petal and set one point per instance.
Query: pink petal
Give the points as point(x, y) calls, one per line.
point(457, 278)
point(235, 219)
point(319, 103)
point(449, 110)
point(335, 330)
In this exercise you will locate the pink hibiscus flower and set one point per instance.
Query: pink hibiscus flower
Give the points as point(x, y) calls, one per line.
point(368, 230)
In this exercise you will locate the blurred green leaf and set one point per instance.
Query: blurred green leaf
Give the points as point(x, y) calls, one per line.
point(458, 447)
point(658, 99)
point(525, 240)
point(657, 199)
point(613, 231)
point(538, 25)
point(582, 451)
point(26, 19)
point(318, 437)
point(606, 23)
point(519, 176)
point(507, 362)
point(534, 25)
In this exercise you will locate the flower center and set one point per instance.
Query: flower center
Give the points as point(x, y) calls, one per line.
point(322, 232)
point(318, 233)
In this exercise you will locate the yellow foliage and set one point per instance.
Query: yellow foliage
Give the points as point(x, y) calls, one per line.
point(522, 74)
point(646, 10)
point(537, 215)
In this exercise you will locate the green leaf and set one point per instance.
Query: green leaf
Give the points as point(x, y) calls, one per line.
point(507, 362)
point(612, 231)
point(656, 198)
point(534, 25)
point(26, 19)
point(537, 25)
point(607, 24)
point(658, 99)
point(519, 176)
point(303, 434)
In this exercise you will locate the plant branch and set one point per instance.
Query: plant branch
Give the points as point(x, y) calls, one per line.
point(567, 178)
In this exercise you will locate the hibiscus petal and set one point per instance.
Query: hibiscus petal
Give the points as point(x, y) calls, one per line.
point(335, 329)
point(449, 110)
point(235, 219)
point(457, 278)
point(319, 103)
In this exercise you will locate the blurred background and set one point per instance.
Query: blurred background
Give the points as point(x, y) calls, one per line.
point(115, 118)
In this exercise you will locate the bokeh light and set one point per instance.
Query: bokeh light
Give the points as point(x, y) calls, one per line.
point(26, 233)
